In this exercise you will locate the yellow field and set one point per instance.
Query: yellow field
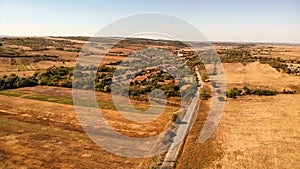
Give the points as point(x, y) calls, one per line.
point(255, 131)
point(39, 128)
point(261, 132)
point(259, 75)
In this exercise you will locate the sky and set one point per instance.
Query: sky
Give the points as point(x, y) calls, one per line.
point(218, 20)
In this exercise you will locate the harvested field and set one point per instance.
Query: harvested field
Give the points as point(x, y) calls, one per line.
point(254, 132)
point(32, 124)
point(260, 132)
point(258, 75)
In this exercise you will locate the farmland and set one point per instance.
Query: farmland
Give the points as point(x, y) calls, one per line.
point(39, 127)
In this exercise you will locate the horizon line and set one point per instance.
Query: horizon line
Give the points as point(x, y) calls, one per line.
point(211, 41)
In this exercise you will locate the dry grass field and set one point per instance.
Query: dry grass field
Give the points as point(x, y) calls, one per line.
point(37, 134)
point(284, 51)
point(259, 75)
point(255, 131)
point(261, 132)
point(42, 119)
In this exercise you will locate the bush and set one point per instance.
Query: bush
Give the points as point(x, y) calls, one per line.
point(106, 69)
point(262, 92)
point(203, 94)
point(174, 117)
point(234, 92)
point(13, 81)
point(288, 91)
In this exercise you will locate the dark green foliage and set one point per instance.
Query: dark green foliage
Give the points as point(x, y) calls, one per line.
point(236, 55)
point(114, 63)
point(78, 67)
point(59, 48)
point(13, 81)
point(55, 76)
point(263, 92)
point(260, 92)
point(204, 94)
point(194, 62)
point(276, 63)
point(106, 69)
point(288, 92)
point(174, 117)
point(104, 85)
point(234, 92)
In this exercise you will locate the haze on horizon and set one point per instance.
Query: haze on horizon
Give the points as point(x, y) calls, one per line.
point(246, 21)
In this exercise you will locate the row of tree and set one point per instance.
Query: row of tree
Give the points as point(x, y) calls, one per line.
point(234, 92)
point(54, 76)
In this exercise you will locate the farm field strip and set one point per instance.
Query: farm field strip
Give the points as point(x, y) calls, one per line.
point(48, 146)
point(69, 100)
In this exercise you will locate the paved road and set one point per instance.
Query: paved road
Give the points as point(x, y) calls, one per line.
point(189, 118)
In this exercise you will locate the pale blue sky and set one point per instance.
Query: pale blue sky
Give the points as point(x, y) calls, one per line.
point(227, 20)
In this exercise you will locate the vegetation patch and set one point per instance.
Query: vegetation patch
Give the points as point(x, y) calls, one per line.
point(235, 92)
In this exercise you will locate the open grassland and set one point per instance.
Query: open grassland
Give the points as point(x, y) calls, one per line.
point(39, 128)
point(261, 132)
point(259, 75)
point(255, 131)
point(55, 107)
point(27, 145)
point(284, 51)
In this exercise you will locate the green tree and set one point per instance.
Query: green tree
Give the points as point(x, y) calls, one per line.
point(174, 117)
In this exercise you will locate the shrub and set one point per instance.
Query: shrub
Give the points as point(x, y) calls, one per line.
point(203, 94)
point(234, 92)
point(174, 117)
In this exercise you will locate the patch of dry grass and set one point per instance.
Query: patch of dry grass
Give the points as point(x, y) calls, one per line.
point(260, 132)
point(258, 75)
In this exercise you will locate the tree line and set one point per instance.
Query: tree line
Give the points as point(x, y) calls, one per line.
point(235, 92)
point(54, 76)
